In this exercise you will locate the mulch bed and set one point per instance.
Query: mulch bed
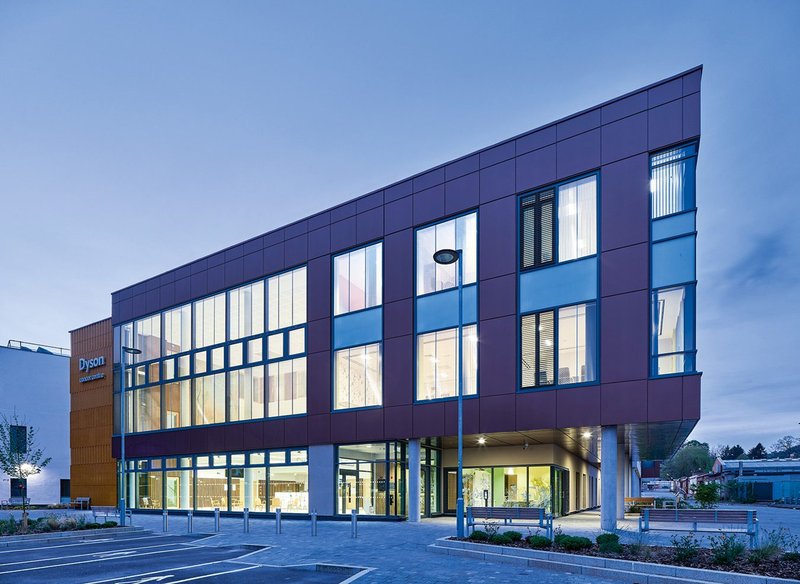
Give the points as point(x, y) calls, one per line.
point(776, 568)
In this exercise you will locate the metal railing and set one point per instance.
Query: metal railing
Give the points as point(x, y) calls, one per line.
point(38, 348)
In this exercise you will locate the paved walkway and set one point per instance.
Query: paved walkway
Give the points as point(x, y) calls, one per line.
point(397, 551)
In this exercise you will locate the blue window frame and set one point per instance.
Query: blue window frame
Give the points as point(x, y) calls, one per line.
point(672, 181)
point(673, 330)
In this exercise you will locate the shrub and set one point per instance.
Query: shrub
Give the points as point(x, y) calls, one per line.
point(792, 556)
point(513, 535)
point(539, 542)
point(479, 535)
point(52, 522)
point(500, 539)
point(686, 548)
point(771, 547)
point(707, 494)
point(726, 549)
point(93, 525)
point(609, 543)
point(574, 543)
point(109, 524)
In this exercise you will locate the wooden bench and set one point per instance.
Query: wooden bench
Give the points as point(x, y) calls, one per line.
point(710, 520)
point(81, 503)
point(639, 502)
point(107, 512)
point(522, 516)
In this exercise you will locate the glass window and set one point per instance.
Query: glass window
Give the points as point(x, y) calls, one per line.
point(254, 490)
point(277, 457)
point(178, 330)
point(358, 380)
point(183, 365)
point(148, 408)
point(255, 350)
point(358, 279)
point(177, 404)
point(217, 358)
point(275, 346)
point(672, 180)
point(235, 355)
point(437, 363)
point(296, 456)
point(288, 489)
point(246, 311)
point(576, 339)
point(200, 362)
point(246, 393)
point(148, 490)
point(297, 341)
point(673, 330)
point(209, 321)
point(537, 229)
point(577, 219)
point(147, 337)
point(369, 482)
point(180, 489)
point(169, 369)
point(287, 388)
point(212, 489)
point(209, 399)
point(559, 346)
point(460, 233)
point(153, 373)
point(287, 299)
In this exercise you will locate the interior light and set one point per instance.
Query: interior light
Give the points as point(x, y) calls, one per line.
point(587, 434)
point(548, 342)
point(481, 440)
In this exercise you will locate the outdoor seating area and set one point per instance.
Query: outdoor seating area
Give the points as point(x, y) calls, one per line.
point(701, 520)
point(516, 516)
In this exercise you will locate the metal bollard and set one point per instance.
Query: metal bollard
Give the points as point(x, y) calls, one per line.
point(246, 516)
point(189, 521)
point(353, 523)
point(314, 522)
point(165, 526)
point(278, 520)
point(216, 518)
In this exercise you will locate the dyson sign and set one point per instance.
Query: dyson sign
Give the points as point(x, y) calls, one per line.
point(89, 364)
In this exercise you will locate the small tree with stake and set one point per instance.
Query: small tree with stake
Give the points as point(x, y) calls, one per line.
point(20, 455)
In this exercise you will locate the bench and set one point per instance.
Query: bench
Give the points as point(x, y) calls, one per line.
point(710, 520)
point(639, 502)
point(81, 502)
point(523, 516)
point(107, 512)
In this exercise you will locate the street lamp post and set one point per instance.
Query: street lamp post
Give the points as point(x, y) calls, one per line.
point(446, 257)
point(124, 351)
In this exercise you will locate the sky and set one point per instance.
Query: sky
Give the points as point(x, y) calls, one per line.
point(137, 136)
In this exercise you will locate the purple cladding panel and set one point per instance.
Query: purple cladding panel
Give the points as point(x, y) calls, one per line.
point(398, 283)
point(429, 205)
point(466, 165)
point(498, 356)
point(536, 409)
point(664, 399)
point(295, 251)
point(462, 193)
point(398, 371)
point(624, 138)
point(319, 383)
point(624, 269)
point(578, 406)
point(369, 425)
point(497, 413)
point(343, 427)
point(498, 297)
point(343, 234)
point(319, 429)
point(369, 225)
point(665, 125)
point(691, 397)
point(397, 422)
point(622, 403)
point(398, 215)
point(536, 168)
point(274, 433)
point(319, 335)
point(624, 205)
point(536, 139)
point(234, 437)
point(319, 242)
point(318, 284)
point(471, 416)
point(624, 338)
point(497, 238)
point(398, 318)
point(578, 154)
point(296, 431)
point(428, 420)
point(498, 181)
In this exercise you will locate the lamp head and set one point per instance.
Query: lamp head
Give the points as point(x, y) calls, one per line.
point(445, 256)
point(132, 351)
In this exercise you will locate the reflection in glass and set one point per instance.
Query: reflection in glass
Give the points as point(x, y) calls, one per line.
point(177, 404)
point(437, 362)
point(357, 277)
point(460, 233)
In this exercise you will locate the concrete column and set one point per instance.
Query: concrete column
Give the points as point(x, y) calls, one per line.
point(186, 486)
point(248, 488)
point(608, 478)
point(414, 470)
point(621, 464)
point(321, 479)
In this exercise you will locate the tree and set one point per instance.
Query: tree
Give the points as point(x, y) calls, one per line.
point(692, 458)
point(20, 455)
point(783, 444)
point(707, 494)
point(756, 452)
point(731, 452)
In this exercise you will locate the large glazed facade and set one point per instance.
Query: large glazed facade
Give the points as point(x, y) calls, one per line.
point(315, 367)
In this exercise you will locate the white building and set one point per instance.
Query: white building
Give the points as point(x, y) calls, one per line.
point(34, 386)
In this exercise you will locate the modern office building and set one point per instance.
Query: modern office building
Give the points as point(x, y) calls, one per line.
point(34, 389)
point(316, 367)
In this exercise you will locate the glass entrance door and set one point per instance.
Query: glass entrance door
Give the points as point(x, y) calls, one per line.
point(348, 490)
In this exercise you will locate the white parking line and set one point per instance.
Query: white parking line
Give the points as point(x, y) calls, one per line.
point(113, 553)
point(89, 542)
point(181, 549)
point(203, 576)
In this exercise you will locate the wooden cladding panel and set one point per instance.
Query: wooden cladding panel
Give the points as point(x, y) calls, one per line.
point(93, 469)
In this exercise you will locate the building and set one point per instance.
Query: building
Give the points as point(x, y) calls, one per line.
point(315, 367)
point(766, 479)
point(34, 387)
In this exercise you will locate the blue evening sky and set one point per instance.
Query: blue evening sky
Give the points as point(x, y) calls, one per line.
point(137, 136)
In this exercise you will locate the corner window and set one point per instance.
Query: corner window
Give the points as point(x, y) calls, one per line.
point(559, 346)
point(438, 362)
point(672, 344)
point(358, 377)
point(358, 279)
point(559, 224)
point(459, 233)
point(672, 181)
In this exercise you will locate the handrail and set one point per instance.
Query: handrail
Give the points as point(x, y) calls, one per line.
point(35, 347)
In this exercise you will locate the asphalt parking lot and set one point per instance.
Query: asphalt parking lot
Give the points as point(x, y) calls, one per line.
point(148, 558)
